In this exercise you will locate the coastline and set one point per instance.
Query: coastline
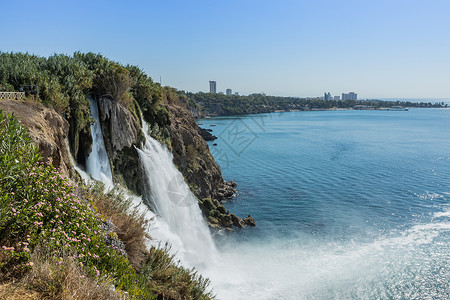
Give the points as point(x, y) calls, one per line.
point(207, 117)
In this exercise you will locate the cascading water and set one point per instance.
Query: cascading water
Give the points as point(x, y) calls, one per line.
point(179, 220)
point(176, 205)
point(97, 163)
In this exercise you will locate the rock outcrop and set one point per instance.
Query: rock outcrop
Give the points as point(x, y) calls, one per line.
point(48, 130)
point(206, 135)
point(121, 134)
point(250, 221)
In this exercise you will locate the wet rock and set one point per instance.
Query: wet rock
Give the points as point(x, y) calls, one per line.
point(249, 221)
point(221, 209)
point(206, 135)
point(208, 204)
point(225, 220)
point(237, 222)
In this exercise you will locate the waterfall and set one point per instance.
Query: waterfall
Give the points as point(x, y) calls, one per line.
point(97, 163)
point(176, 217)
point(173, 202)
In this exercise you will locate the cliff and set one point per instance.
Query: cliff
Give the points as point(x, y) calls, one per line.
point(200, 170)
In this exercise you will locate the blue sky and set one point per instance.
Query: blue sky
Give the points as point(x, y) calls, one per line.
point(379, 49)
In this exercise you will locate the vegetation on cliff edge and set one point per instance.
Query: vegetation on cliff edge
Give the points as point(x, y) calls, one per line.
point(63, 82)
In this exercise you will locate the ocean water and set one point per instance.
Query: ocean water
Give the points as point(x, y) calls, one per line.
point(348, 205)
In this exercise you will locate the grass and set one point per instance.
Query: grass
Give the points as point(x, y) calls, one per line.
point(65, 279)
point(169, 279)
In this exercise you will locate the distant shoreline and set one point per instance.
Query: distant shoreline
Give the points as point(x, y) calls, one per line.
point(314, 109)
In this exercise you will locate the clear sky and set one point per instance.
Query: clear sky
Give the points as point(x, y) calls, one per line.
point(379, 49)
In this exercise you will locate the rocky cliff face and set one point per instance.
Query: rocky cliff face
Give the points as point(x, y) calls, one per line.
point(193, 159)
point(48, 130)
point(122, 133)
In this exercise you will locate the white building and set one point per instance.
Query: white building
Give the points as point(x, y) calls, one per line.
point(349, 96)
point(212, 87)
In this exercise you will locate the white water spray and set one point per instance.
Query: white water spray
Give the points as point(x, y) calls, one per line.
point(97, 163)
point(173, 201)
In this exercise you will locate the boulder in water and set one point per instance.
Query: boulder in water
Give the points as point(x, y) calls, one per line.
point(250, 221)
point(237, 222)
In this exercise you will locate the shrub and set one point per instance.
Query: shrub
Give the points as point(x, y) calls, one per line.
point(170, 280)
point(6, 87)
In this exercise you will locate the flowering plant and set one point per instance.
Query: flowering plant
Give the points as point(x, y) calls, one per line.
point(6, 87)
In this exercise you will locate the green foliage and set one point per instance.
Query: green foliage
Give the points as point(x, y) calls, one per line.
point(14, 140)
point(169, 279)
point(162, 134)
point(207, 202)
point(146, 92)
point(113, 81)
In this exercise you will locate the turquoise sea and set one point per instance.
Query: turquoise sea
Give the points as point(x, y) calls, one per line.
point(348, 204)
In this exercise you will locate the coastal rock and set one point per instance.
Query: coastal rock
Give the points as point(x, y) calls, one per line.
point(48, 130)
point(237, 222)
point(250, 221)
point(206, 134)
point(226, 191)
point(226, 221)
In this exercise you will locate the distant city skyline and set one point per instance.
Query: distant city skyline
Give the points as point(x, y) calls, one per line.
point(386, 49)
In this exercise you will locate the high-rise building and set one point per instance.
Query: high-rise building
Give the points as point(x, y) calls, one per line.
point(212, 87)
point(349, 96)
point(228, 92)
point(327, 96)
point(337, 98)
